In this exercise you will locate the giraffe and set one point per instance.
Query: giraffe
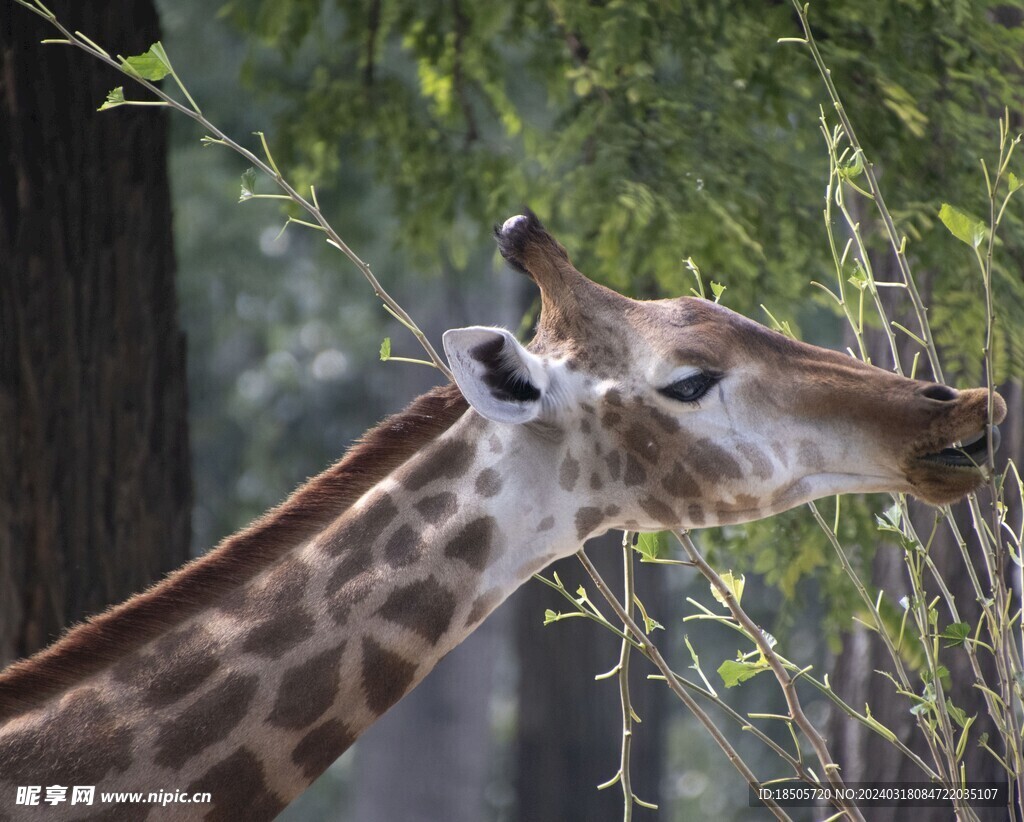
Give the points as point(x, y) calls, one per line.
point(247, 672)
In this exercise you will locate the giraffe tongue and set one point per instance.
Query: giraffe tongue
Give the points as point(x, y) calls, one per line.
point(972, 453)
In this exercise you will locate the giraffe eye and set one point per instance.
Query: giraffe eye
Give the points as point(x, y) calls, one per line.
point(691, 388)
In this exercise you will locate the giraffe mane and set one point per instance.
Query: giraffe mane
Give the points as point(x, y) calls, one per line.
point(96, 643)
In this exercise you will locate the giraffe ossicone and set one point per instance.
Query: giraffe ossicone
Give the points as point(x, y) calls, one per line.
point(247, 672)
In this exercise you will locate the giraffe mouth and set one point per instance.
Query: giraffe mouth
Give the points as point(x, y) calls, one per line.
point(972, 454)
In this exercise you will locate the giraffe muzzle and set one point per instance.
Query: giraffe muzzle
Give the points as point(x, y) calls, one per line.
point(953, 459)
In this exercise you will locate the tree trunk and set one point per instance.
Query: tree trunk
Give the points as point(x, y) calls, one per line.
point(569, 731)
point(95, 488)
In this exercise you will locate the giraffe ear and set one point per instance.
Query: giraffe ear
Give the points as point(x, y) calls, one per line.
point(502, 380)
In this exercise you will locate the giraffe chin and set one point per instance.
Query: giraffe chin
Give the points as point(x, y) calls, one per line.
point(946, 476)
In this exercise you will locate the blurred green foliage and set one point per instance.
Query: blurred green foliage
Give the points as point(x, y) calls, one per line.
point(645, 132)
point(648, 132)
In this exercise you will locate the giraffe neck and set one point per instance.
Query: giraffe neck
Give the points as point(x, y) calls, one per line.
point(252, 698)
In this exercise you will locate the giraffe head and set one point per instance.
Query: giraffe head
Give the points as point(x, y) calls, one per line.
point(680, 412)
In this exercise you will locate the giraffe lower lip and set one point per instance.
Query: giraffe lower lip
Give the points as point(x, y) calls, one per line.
point(972, 454)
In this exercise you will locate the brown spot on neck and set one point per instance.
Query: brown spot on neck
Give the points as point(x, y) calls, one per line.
point(307, 690)
point(635, 473)
point(350, 583)
point(105, 639)
point(660, 510)
point(208, 720)
point(321, 746)
point(177, 664)
point(361, 525)
point(488, 483)
point(425, 607)
point(569, 473)
point(77, 742)
point(695, 513)
point(474, 544)
point(759, 462)
point(614, 463)
point(280, 632)
point(483, 605)
point(680, 483)
point(587, 519)
point(640, 441)
point(707, 459)
point(810, 456)
point(238, 788)
point(448, 459)
point(438, 508)
point(403, 547)
point(386, 676)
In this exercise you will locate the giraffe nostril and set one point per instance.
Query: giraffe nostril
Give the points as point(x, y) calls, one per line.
point(942, 393)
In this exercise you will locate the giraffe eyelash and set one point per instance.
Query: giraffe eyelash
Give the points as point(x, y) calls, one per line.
point(690, 389)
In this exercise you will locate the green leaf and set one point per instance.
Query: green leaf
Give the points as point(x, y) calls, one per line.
point(152, 65)
point(734, 584)
point(385, 349)
point(956, 633)
point(893, 515)
point(1015, 182)
point(854, 168)
point(550, 616)
point(717, 289)
point(652, 547)
point(965, 227)
point(958, 715)
point(248, 185)
point(114, 99)
point(733, 671)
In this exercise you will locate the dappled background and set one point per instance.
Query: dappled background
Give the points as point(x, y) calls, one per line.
point(643, 134)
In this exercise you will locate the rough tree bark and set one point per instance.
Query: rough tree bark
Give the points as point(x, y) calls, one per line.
point(95, 491)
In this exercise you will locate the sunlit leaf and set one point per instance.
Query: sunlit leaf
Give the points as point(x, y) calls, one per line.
point(652, 547)
point(734, 584)
point(965, 227)
point(151, 65)
point(385, 349)
point(733, 671)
